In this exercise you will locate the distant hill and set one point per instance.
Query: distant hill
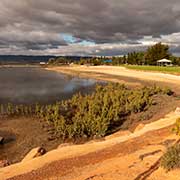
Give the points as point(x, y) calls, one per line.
point(23, 59)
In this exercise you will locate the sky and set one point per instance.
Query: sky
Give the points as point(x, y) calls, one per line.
point(87, 27)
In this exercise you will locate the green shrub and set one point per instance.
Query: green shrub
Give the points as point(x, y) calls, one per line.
point(97, 114)
point(176, 129)
point(93, 115)
point(168, 91)
point(171, 159)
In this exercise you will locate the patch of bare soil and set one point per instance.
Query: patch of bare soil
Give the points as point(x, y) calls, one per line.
point(21, 135)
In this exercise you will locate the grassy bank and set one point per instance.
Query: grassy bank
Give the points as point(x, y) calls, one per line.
point(169, 70)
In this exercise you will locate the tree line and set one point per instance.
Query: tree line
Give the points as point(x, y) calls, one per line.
point(149, 57)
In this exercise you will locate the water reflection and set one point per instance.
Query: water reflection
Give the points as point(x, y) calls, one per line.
point(30, 85)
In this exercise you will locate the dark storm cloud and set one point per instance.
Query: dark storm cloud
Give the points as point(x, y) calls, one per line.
point(38, 25)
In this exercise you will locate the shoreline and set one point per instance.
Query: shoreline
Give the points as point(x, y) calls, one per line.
point(121, 75)
point(96, 75)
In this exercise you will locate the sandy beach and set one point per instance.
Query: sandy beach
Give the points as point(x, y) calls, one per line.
point(122, 75)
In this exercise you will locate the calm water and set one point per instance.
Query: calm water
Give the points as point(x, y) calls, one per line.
point(31, 85)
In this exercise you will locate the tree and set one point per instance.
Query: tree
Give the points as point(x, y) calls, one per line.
point(135, 58)
point(156, 52)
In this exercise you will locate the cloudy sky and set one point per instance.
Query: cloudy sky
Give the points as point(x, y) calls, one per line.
point(87, 27)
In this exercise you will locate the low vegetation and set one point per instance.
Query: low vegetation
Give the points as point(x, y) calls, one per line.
point(172, 70)
point(171, 159)
point(90, 116)
point(176, 129)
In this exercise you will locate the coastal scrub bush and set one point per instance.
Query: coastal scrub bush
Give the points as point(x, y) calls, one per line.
point(168, 91)
point(176, 129)
point(97, 114)
point(171, 159)
point(93, 115)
